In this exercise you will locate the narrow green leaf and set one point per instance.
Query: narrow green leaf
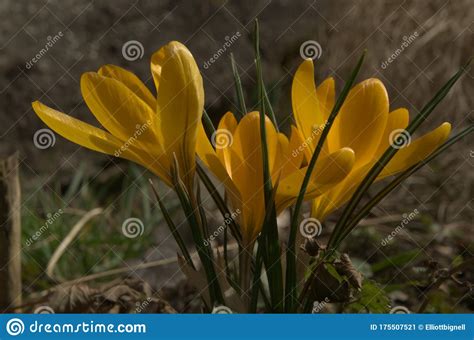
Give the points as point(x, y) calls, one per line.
point(207, 123)
point(220, 203)
point(172, 226)
point(194, 220)
point(272, 255)
point(290, 291)
point(238, 88)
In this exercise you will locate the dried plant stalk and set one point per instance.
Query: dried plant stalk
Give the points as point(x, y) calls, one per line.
point(10, 234)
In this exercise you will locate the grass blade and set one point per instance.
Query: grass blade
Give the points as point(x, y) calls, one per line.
point(238, 88)
point(272, 254)
point(194, 220)
point(172, 226)
point(219, 201)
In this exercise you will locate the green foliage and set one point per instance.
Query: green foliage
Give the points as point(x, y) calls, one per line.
point(371, 299)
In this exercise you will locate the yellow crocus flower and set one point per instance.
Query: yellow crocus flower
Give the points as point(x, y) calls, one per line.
point(146, 129)
point(237, 162)
point(364, 124)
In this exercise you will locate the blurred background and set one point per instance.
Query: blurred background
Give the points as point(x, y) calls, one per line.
point(412, 46)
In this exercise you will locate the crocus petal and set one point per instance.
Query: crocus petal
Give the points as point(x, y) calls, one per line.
point(131, 81)
point(209, 157)
point(338, 194)
point(417, 150)
point(397, 120)
point(328, 172)
point(96, 139)
point(118, 109)
point(362, 120)
point(223, 139)
point(180, 105)
point(326, 93)
point(295, 148)
point(404, 158)
point(156, 65)
point(305, 100)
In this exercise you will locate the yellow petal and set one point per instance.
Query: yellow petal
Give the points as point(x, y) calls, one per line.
point(180, 105)
point(326, 97)
point(156, 64)
point(96, 139)
point(337, 195)
point(296, 148)
point(247, 168)
point(305, 100)
point(131, 81)
point(397, 120)
point(362, 120)
point(223, 139)
point(417, 150)
point(77, 131)
point(406, 157)
point(328, 171)
point(208, 156)
point(118, 109)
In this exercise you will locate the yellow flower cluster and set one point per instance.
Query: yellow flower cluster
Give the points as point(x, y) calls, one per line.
point(169, 126)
